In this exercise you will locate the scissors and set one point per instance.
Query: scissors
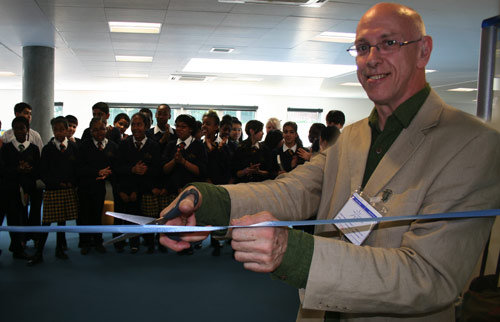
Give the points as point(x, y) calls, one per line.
point(141, 220)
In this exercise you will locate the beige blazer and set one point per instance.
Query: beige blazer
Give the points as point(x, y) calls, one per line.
point(445, 161)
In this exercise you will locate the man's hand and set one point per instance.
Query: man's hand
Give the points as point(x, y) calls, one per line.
point(260, 249)
point(187, 218)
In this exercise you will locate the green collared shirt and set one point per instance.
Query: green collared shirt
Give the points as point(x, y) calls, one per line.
point(396, 122)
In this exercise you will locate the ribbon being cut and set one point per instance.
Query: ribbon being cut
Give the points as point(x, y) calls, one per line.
point(144, 229)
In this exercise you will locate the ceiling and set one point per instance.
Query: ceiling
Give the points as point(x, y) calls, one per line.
point(85, 49)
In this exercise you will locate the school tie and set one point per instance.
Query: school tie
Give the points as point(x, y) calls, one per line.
point(182, 145)
point(21, 147)
point(99, 146)
point(62, 147)
point(290, 151)
point(138, 145)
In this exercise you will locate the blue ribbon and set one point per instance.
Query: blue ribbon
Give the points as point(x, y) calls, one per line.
point(145, 229)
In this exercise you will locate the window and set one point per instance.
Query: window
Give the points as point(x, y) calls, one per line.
point(304, 118)
point(243, 113)
point(58, 109)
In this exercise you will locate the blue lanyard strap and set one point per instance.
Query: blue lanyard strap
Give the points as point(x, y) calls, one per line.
point(144, 229)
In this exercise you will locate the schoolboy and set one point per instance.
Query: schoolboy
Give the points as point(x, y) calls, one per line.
point(101, 109)
point(21, 160)
point(97, 158)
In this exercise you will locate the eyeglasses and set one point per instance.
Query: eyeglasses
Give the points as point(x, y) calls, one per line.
point(384, 47)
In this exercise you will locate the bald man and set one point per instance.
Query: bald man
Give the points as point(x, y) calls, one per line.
point(414, 153)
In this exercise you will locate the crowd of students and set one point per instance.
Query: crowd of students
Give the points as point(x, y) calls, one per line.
point(145, 170)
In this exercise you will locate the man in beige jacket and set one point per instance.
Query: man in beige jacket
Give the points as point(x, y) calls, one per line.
point(418, 154)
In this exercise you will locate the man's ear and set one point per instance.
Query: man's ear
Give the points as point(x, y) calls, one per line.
point(425, 51)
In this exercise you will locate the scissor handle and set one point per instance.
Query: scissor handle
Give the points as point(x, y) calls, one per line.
point(175, 212)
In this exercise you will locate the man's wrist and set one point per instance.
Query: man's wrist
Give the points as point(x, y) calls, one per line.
point(294, 268)
point(215, 208)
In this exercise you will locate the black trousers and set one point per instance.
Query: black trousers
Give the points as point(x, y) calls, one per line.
point(91, 204)
point(17, 215)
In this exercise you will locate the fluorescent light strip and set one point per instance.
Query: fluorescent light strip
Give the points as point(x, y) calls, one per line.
point(351, 84)
point(462, 89)
point(6, 74)
point(253, 67)
point(136, 59)
point(340, 37)
point(135, 27)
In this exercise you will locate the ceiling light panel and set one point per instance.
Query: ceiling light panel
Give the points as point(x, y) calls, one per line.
point(6, 74)
point(339, 37)
point(135, 27)
point(251, 67)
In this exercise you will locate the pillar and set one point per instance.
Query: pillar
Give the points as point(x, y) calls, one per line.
point(38, 87)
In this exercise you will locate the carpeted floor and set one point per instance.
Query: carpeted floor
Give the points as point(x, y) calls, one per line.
point(140, 287)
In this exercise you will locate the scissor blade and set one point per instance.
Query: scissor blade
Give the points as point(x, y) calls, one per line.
point(120, 238)
point(140, 220)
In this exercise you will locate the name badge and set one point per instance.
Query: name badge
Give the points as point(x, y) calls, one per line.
point(357, 208)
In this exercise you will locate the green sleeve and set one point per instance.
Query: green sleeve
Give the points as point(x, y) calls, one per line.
point(294, 268)
point(215, 208)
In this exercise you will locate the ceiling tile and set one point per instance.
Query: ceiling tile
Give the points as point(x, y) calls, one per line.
point(134, 4)
point(135, 15)
point(194, 18)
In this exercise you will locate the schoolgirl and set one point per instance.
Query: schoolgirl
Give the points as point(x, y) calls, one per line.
point(216, 146)
point(137, 168)
point(58, 166)
point(287, 158)
point(251, 161)
point(184, 160)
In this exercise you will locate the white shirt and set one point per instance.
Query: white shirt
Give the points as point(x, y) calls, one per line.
point(142, 142)
point(188, 142)
point(17, 144)
point(32, 137)
point(58, 144)
point(104, 143)
point(157, 129)
point(293, 148)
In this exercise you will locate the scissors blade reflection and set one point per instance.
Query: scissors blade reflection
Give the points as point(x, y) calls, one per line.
point(140, 220)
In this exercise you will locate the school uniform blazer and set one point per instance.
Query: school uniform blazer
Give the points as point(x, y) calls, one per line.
point(445, 161)
point(128, 156)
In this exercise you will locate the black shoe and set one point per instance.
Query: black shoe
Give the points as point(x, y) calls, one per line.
point(84, 251)
point(20, 255)
point(100, 249)
point(134, 250)
point(197, 246)
point(151, 249)
point(119, 248)
point(61, 254)
point(37, 259)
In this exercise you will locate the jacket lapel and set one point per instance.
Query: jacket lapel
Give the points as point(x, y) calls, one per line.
point(405, 145)
point(358, 147)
